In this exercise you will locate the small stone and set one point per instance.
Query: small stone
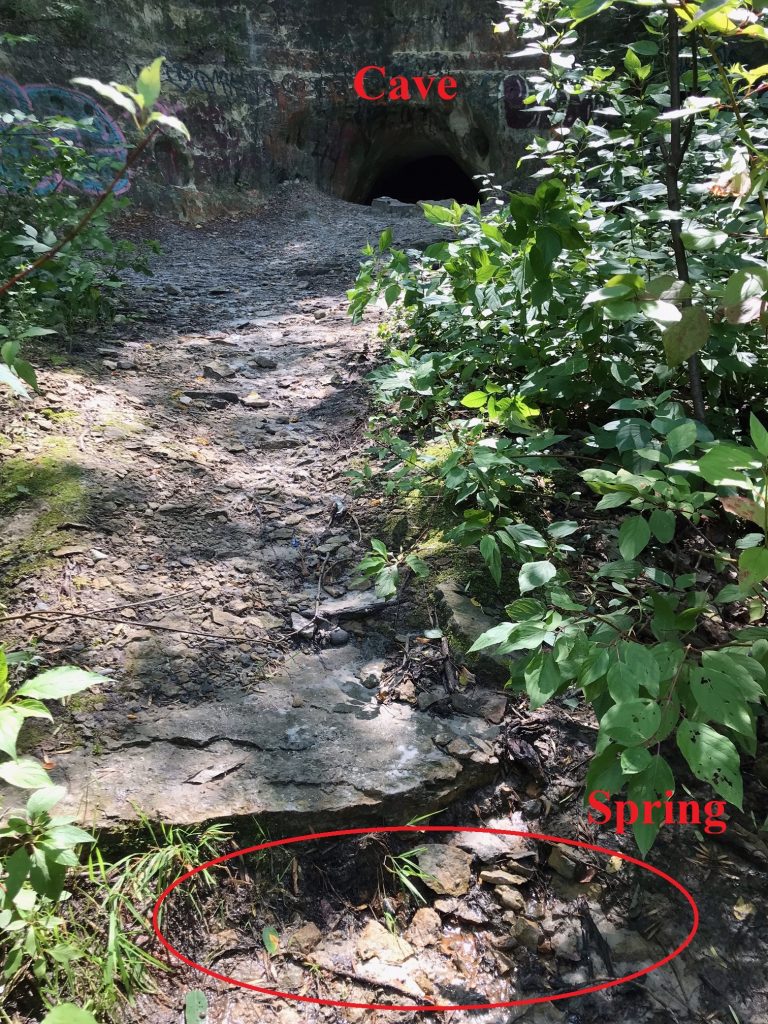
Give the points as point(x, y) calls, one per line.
point(510, 898)
point(71, 549)
point(376, 941)
point(530, 809)
point(564, 862)
point(264, 362)
point(338, 637)
point(301, 625)
point(528, 933)
point(125, 364)
point(306, 938)
point(254, 401)
point(496, 876)
point(448, 869)
point(218, 371)
point(566, 942)
point(425, 929)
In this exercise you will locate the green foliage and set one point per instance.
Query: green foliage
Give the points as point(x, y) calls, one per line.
point(555, 333)
point(404, 867)
point(76, 263)
point(385, 568)
point(38, 847)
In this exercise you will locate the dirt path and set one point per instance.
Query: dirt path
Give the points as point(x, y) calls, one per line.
point(203, 556)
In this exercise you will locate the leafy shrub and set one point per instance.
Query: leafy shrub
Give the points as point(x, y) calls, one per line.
point(610, 324)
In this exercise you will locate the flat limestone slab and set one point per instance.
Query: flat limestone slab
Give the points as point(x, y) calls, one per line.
point(314, 748)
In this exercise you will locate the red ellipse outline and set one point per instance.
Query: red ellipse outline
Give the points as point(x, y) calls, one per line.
point(417, 829)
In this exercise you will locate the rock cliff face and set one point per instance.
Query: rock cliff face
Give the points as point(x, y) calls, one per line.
point(266, 86)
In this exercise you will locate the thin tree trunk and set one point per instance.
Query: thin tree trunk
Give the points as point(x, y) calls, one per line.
point(674, 162)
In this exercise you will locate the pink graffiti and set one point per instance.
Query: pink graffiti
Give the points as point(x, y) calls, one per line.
point(93, 131)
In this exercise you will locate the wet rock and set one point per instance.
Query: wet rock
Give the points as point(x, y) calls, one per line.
point(306, 938)
point(497, 876)
point(484, 702)
point(353, 604)
point(376, 941)
point(338, 637)
point(448, 869)
point(566, 942)
point(528, 933)
point(566, 862)
point(425, 929)
point(510, 898)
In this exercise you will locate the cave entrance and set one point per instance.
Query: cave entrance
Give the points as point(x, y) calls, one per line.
point(428, 177)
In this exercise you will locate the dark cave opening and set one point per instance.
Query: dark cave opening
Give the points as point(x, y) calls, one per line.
point(429, 177)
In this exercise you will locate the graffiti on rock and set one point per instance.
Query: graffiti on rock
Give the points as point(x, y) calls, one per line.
point(520, 115)
point(183, 78)
point(87, 125)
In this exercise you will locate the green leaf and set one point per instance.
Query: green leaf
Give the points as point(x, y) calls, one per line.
point(759, 434)
point(169, 122)
point(604, 771)
point(687, 336)
point(475, 400)
point(418, 566)
point(535, 574)
point(712, 758)
point(10, 725)
point(44, 800)
point(64, 836)
point(489, 549)
point(681, 437)
point(631, 722)
point(148, 83)
point(753, 567)
point(60, 682)
point(14, 382)
point(109, 92)
point(387, 581)
point(25, 773)
point(542, 679)
point(726, 465)
point(720, 703)
point(16, 869)
point(195, 1007)
point(525, 608)
point(662, 524)
point(68, 1013)
point(634, 535)
point(271, 940)
point(655, 782)
point(492, 637)
point(635, 760)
